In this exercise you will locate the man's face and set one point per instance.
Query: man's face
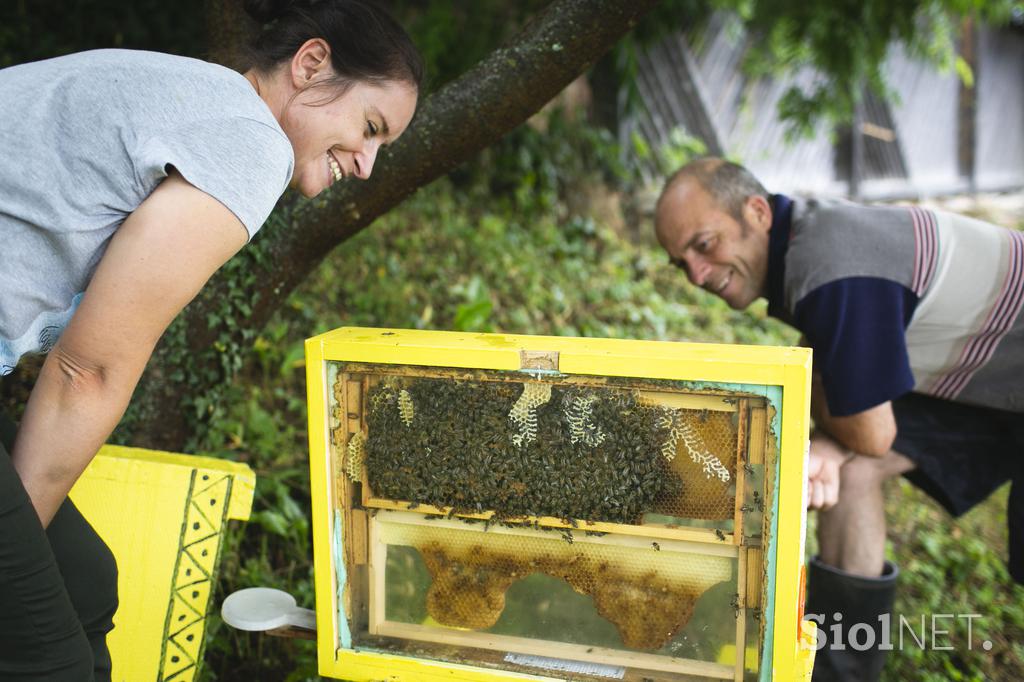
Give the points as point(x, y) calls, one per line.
point(725, 256)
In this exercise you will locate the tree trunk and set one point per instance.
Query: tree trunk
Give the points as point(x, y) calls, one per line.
point(203, 348)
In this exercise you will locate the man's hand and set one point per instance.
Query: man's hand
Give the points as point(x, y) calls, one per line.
point(825, 460)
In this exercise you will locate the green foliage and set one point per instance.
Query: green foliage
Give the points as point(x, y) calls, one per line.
point(539, 275)
point(436, 26)
point(41, 29)
point(847, 44)
point(679, 149)
point(534, 168)
point(844, 43)
point(667, 17)
point(936, 553)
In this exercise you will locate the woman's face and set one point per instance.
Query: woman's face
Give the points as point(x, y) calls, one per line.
point(340, 139)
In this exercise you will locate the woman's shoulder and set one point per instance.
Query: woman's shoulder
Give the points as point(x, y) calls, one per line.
point(156, 67)
point(112, 58)
point(130, 71)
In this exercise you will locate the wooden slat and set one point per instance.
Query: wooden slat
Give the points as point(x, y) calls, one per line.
point(741, 474)
point(374, 372)
point(358, 546)
point(360, 423)
point(755, 572)
point(689, 401)
point(377, 566)
point(575, 652)
point(619, 539)
point(758, 435)
point(741, 617)
point(653, 531)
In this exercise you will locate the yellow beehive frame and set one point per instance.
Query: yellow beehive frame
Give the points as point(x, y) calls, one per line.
point(784, 370)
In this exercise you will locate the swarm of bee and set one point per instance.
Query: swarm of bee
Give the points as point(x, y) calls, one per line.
point(532, 448)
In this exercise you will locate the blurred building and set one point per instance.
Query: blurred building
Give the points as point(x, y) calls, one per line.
point(941, 137)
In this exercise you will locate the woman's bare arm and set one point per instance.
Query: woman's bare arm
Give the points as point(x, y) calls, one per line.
point(155, 264)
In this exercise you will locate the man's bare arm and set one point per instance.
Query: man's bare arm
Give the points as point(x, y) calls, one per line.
point(870, 432)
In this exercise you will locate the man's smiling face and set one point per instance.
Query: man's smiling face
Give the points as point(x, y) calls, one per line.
point(719, 253)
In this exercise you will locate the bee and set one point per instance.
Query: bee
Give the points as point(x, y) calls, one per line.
point(656, 546)
point(746, 508)
point(567, 536)
point(749, 468)
point(719, 534)
point(703, 416)
point(412, 505)
point(735, 604)
point(758, 501)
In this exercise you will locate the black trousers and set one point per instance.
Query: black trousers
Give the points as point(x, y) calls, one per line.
point(58, 588)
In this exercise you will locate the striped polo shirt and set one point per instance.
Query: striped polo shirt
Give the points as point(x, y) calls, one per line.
point(897, 299)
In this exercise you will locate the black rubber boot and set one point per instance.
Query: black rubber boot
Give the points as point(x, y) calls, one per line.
point(858, 600)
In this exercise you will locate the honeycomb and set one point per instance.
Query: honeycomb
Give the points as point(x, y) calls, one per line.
point(647, 592)
point(705, 459)
point(539, 448)
point(354, 456)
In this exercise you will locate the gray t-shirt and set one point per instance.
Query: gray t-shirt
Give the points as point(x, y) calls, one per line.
point(84, 139)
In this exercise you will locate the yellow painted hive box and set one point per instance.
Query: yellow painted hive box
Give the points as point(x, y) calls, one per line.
point(499, 507)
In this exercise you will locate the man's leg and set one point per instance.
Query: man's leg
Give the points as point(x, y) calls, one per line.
point(850, 585)
point(851, 535)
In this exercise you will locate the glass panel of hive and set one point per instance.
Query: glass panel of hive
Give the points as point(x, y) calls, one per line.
point(572, 448)
point(527, 589)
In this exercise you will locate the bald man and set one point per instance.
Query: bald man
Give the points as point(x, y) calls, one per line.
point(913, 316)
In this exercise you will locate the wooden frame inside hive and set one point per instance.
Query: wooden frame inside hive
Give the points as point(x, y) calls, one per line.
point(367, 524)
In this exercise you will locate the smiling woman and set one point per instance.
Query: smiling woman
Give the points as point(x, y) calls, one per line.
point(130, 177)
point(341, 79)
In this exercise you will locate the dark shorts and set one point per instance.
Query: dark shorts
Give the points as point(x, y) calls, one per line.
point(963, 453)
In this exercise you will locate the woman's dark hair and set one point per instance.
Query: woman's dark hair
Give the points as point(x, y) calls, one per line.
point(367, 45)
